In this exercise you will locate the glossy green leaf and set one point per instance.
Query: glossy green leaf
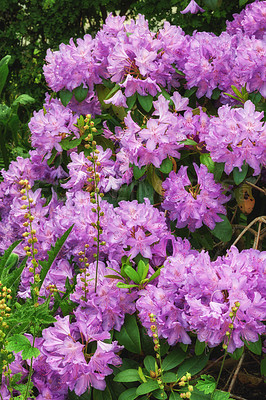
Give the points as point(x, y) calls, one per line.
point(142, 269)
point(150, 363)
point(65, 96)
point(220, 395)
point(145, 102)
point(238, 175)
point(173, 359)
point(129, 394)
point(193, 365)
point(169, 377)
point(166, 166)
point(145, 190)
point(242, 2)
point(80, 93)
point(218, 171)
point(237, 353)
point(205, 159)
point(129, 375)
point(132, 274)
point(131, 100)
point(263, 367)
point(223, 230)
point(147, 387)
point(138, 172)
point(129, 335)
point(199, 347)
point(174, 396)
point(255, 347)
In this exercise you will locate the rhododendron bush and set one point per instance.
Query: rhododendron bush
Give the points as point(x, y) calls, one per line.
point(132, 237)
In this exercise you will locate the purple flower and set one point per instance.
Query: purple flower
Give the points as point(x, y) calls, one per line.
point(236, 136)
point(192, 7)
point(193, 205)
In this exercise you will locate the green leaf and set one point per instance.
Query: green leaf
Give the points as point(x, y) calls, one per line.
point(154, 180)
point(3, 76)
point(156, 273)
point(102, 395)
point(198, 395)
point(30, 352)
point(238, 175)
point(159, 394)
point(80, 93)
point(132, 274)
point(237, 353)
point(173, 359)
point(122, 285)
point(129, 394)
point(112, 91)
point(12, 279)
point(5, 60)
point(150, 363)
point(242, 2)
point(69, 143)
point(166, 166)
point(129, 335)
point(193, 365)
point(65, 96)
point(255, 97)
point(255, 347)
point(169, 377)
point(145, 102)
point(174, 396)
point(129, 375)
point(219, 395)
point(263, 367)
point(147, 387)
point(131, 100)
point(23, 99)
point(223, 230)
point(142, 269)
point(216, 94)
point(206, 384)
point(4, 269)
point(53, 254)
point(145, 190)
point(199, 347)
point(218, 171)
point(205, 159)
point(19, 343)
point(138, 172)
point(188, 142)
point(12, 261)
point(189, 92)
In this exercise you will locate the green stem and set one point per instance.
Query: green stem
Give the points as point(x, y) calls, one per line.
point(30, 371)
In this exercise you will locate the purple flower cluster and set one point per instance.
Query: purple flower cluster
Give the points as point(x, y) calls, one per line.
point(236, 136)
point(104, 310)
point(195, 294)
point(65, 364)
point(193, 205)
point(159, 137)
point(50, 125)
point(79, 173)
point(192, 293)
point(250, 21)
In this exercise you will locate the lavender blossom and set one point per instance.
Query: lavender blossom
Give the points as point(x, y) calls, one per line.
point(193, 205)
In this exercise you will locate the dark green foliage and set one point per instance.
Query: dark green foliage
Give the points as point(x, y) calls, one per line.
point(29, 27)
